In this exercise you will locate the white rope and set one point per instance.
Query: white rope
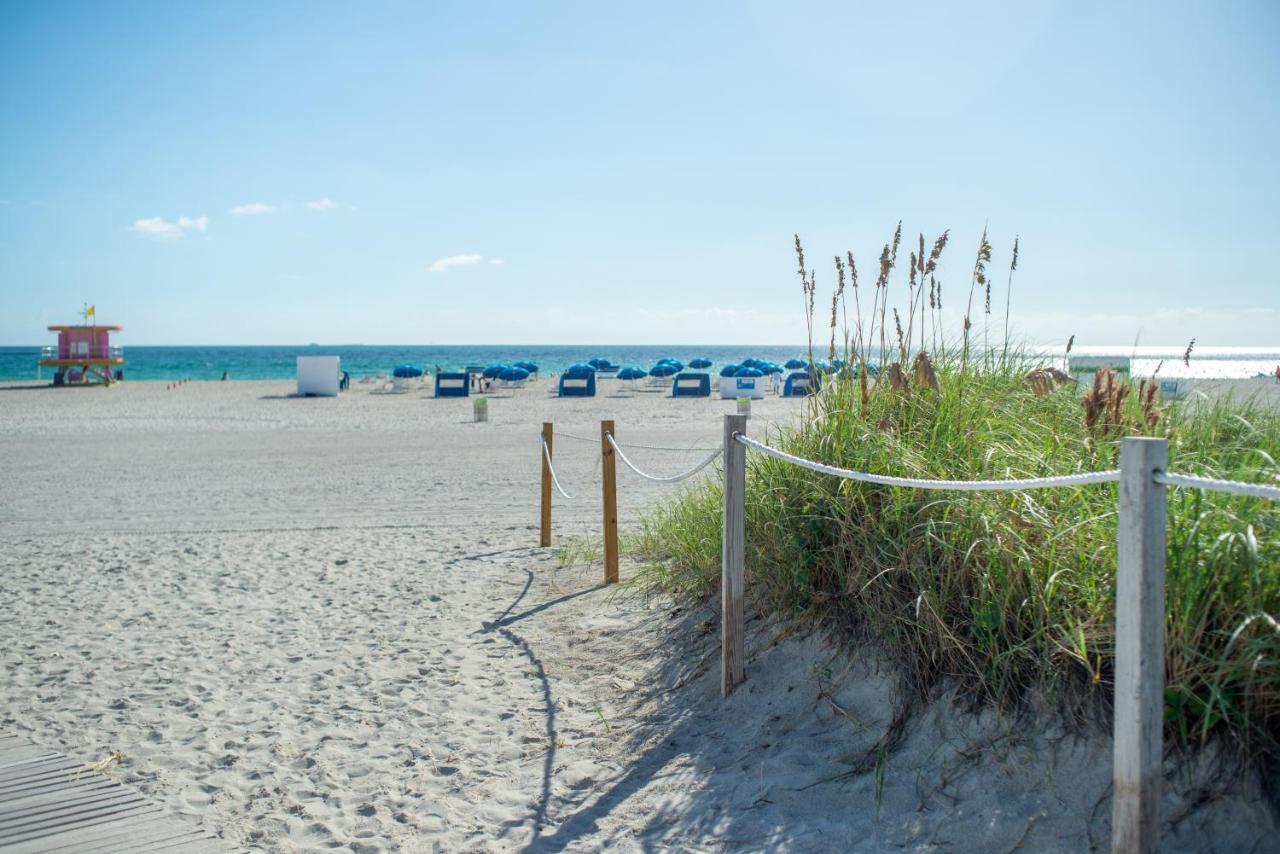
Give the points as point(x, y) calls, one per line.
point(663, 447)
point(578, 438)
point(677, 478)
point(959, 485)
point(546, 455)
point(1235, 487)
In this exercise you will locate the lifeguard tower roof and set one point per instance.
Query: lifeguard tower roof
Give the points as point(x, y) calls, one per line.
point(84, 328)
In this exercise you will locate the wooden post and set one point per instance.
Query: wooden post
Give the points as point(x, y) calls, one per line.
point(548, 439)
point(1139, 672)
point(732, 574)
point(610, 490)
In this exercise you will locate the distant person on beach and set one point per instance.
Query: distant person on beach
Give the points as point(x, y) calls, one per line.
point(1278, 373)
point(225, 376)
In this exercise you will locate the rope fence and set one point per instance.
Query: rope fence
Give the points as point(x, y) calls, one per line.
point(546, 454)
point(1140, 580)
point(672, 479)
point(1108, 476)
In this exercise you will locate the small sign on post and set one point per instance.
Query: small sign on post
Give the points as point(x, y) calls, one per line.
point(480, 408)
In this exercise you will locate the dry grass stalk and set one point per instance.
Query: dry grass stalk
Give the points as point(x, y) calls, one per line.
point(1186, 356)
point(897, 379)
point(1044, 380)
point(925, 374)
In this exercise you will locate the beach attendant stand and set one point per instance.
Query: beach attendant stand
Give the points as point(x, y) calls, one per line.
point(319, 376)
point(732, 388)
point(84, 354)
point(453, 384)
point(691, 385)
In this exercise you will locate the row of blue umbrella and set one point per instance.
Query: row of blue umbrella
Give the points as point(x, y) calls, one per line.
point(518, 371)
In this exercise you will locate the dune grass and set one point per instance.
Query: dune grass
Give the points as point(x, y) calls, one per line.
point(1000, 593)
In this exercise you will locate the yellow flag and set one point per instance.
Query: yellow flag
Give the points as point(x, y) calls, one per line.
point(90, 312)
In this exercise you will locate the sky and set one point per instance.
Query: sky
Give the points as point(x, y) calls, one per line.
point(453, 173)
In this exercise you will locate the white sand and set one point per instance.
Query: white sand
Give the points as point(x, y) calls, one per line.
point(325, 622)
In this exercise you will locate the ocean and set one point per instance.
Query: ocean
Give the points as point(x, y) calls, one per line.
point(277, 362)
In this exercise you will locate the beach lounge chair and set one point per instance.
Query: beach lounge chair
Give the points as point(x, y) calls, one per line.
point(578, 385)
point(691, 385)
point(453, 385)
point(799, 385)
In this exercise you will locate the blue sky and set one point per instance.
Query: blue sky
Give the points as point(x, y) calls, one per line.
point(293, 172)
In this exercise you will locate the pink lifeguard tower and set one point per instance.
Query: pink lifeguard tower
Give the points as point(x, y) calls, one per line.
point(85, 354)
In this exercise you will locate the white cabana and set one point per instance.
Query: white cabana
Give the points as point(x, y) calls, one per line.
point(319, 375)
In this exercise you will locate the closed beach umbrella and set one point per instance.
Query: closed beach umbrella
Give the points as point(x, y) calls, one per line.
point(729, 370)
point(406, 371)
point(795, 365)
point(514, 374)
point(663, 369)
point(700, 363)
point(749, 372)
point(493, 371)
point(632, 373)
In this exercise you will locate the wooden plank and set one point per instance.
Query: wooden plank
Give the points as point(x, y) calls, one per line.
point(50, 802)
point(548, 437)
point(732, 555)
point(1139, 673)
point(609, 490)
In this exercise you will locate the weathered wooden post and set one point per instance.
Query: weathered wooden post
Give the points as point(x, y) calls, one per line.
point(732, 573)
point(610, 491)
point(1139, 672)
point(548, 440)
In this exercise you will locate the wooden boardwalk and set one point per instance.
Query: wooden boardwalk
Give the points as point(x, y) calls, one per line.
point(50, 802)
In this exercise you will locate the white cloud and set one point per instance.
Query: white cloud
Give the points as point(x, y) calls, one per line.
point(496, 261)
point(251, 209)
point(162, 229)
point(442, 265)
point(322, 205)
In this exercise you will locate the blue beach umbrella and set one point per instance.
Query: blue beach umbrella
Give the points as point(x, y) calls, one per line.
point(749, 363)
point(514, 375)
point(663, 369)
point(579, 369)
point(729, 370)
point(406, 371)
point(795, 365)
point(675, 363)
point(632, 373)
point(749, 371)
point(700, 363)
point(493, 371)
point(769, 367)
point(527, 366)
point(599, 363)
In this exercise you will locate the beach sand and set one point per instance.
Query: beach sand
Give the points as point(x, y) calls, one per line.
point(325, 622)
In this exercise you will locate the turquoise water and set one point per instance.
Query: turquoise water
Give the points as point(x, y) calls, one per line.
point(277, 362)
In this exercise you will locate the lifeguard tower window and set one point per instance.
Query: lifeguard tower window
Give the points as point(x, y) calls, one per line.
point(79, 348)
